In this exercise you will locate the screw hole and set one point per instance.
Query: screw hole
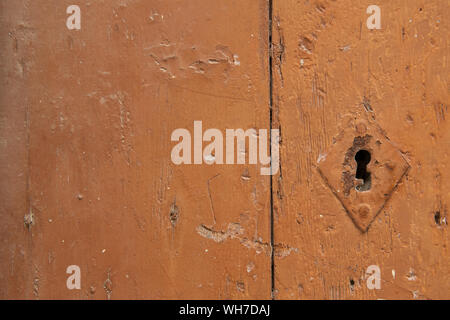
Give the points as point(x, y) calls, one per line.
point(362, 159)
point(352, 285)
point(437, 218)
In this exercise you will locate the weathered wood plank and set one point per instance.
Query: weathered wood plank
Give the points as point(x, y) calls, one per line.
point(102, 103)
point(330, 69)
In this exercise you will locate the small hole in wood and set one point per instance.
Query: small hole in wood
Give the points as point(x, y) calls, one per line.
point(437, 217)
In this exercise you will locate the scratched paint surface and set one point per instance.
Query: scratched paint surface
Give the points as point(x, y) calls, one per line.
point(329, 71)
point(87, 118)
point(85, 123)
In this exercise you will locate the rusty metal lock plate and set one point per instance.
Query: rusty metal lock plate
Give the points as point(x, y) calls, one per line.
point(363, 169)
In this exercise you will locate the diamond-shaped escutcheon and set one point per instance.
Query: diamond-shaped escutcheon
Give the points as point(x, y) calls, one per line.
point(362, 169)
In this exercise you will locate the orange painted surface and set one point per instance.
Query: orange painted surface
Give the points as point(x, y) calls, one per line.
point(334, 75)
point(86, 118)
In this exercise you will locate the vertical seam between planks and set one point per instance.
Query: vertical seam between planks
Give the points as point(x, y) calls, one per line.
point(272, 260)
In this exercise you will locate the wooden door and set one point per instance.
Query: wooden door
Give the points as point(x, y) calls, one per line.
point(91, 93)
point(336, 83)
point(87, 117)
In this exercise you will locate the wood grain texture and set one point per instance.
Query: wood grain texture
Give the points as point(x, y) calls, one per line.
point(330, 69)
point(87, 118)
point(16, 279)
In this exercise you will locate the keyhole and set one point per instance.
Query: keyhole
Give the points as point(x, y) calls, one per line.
point(362, 159)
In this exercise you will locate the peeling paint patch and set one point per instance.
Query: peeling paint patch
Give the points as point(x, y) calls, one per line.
point(283, 251)
point(411, 275)
point(174, 214)
point(176, 60)
point(28, 220)
point(234, 231)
